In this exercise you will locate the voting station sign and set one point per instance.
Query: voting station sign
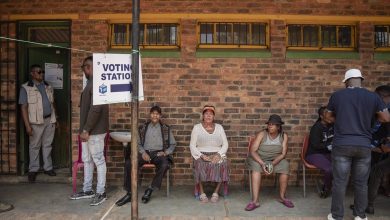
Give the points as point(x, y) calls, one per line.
point(112, 78)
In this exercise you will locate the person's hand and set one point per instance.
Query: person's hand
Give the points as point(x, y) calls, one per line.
point(84, 136)
point(205, 157)
point(265, 170)
point(161, 153)
point(376, 149)
point(216, 158)
point(145, 156)
point(29, 130)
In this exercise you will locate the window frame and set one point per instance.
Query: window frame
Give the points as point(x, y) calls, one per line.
point(143, 45)
point(386, 48)
point(213, 45)
point(320, 47)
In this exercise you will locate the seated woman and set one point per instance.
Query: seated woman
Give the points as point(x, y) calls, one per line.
point(208, 148)
point(267, 155)
point(319, 149)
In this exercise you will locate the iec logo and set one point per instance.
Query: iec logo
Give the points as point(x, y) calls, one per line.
point(102, 89)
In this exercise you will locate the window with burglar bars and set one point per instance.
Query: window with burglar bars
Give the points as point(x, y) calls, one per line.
point(151, 35)
point(321, 37)
point(232, 35)
point(382, 36)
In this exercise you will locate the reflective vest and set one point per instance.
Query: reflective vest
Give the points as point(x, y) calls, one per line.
point(34, 101)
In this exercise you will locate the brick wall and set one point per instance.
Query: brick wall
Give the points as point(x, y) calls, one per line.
point(8, 104)
point(245, 91)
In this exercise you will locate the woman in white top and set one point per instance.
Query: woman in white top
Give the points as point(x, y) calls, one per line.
point(208, 148)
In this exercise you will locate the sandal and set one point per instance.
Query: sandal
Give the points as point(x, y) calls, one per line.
point(287, 203)
point(203, 198)
point(251, 206)
point(214, 198)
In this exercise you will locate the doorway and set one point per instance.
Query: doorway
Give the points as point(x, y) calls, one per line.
point(56, 64)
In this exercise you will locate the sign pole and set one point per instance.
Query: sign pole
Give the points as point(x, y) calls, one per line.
point(134, 109)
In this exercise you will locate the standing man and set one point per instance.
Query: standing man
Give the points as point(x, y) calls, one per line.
point(353, 107)
point(155, 145)
point(93, 129)
point(37, 104)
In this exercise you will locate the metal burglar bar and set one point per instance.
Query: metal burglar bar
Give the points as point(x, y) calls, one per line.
point(234, 35)
point(382, 36)
point(8, 99)
point(321, 37)
point(150, 35)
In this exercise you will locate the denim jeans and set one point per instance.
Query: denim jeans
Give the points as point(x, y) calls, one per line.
point(346, 160)
point(93, 154)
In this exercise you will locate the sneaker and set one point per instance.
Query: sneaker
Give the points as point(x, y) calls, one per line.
point(82, 195)
point(98, 199)
point(358, 218)
point(330, 217)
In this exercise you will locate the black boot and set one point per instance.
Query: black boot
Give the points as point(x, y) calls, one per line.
point(147, 195)
point(125, 199)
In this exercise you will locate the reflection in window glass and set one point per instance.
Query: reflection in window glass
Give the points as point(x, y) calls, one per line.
point(328, 36)
point(310, 36)
point(382, 36)
point(224, 33)
point(344, 36)
point(294, 35)
point(206, 33)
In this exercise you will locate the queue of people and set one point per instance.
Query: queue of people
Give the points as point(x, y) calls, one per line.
point(340, 143)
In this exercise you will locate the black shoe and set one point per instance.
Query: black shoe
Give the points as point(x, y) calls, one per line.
point(32, 176)
point(125, 199)
point(369, 209)
point(324, 194)
point(50, 173)
point(147, 195)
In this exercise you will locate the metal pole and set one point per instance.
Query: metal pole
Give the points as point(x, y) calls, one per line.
point(134, 110)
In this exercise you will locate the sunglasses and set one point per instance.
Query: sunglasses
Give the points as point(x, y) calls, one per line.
point(39, 72)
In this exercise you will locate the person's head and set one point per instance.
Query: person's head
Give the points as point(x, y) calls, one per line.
point(321, 115)
point(155, 114)
point(87, 67)
point(353, 77)
point(274, 124)
point(36, 72)
point(208, 113)
point(384, 93)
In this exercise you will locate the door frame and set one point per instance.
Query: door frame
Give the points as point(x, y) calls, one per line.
point(22, 69)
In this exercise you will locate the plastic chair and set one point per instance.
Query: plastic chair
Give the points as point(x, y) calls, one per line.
point(304, 163)
point(79, 163)
point(152, 166)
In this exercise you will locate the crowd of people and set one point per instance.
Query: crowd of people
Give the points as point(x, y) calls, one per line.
point(350, 136)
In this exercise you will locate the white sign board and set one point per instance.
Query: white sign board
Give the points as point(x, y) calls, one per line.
point(54, 75)
point(112, 79)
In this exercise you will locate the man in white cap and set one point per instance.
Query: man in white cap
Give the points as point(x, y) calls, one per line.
point(353, 108)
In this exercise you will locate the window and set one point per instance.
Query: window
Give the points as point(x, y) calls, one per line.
point(382, 34)
point(321, 37)
point(232, 35)
point(154, 35)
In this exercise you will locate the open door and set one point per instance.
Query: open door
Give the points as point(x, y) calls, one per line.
point(53, 61)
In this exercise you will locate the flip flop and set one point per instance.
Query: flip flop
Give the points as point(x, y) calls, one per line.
point(251, 206)
point(214, 198)
point(287, 203)
point(203, 198)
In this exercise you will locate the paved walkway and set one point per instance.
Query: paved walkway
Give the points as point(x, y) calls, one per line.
point(50, 201)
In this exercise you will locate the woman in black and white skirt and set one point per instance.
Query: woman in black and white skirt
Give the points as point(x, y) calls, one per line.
point(208, 148)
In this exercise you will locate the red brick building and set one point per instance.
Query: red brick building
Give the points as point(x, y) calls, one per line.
point(248, 58)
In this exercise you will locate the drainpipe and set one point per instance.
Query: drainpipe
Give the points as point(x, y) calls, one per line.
point(134, 109)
